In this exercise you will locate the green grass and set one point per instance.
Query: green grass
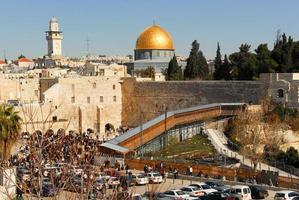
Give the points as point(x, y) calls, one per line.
point(195, 147)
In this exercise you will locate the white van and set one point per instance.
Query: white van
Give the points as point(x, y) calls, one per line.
point(240, 192)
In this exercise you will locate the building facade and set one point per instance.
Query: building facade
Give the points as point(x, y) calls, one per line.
point(54, 38)
point(283, 88)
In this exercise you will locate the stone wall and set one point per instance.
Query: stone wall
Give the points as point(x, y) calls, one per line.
point(151, 98)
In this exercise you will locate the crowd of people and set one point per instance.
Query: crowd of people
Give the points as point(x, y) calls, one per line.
point(46, 153)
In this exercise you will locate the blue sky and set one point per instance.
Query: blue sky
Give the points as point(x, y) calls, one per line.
point(112, 26)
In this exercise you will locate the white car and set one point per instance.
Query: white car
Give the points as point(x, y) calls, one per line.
point(203, 187)
point(178, 194)
point(193, 191)
point(140, 179)
point(113, 182)
point(241, 192)
point(285, 195)
point(154, 177)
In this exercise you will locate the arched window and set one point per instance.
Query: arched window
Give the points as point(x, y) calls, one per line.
point(280, 93)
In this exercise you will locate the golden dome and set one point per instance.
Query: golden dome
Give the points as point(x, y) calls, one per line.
point(154, 37)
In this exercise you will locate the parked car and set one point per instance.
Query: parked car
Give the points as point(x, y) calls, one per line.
point(214, 184)
point(154, 177)
point(177, 194)
point(113, 182)
point(193, 191)
point(258, 192)
point(285, 195)
point(219, 196)
point(224, 189)
point(155, 196)
point(140, 179)
point(240, 192)
point(203, 187)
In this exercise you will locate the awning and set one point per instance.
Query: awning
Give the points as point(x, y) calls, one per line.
point(115, 147)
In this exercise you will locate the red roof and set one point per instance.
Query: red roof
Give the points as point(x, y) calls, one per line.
point(2, 62)
point(24, 60)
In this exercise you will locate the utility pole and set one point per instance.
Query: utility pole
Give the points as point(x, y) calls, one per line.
point(141, 131)
point(87, 46)
point(165, 122)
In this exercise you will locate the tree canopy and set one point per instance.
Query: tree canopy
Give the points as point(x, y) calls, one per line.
point(10, 125)
point(247, 65)
point(174, 71)
point(197, 66)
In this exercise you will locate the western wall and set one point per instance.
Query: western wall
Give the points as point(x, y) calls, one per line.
point(151, 97)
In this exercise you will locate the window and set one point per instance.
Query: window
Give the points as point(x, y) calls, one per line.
point(54, 118)
point(94, 85)
point(73, 86)
point(73, 100)
point(114, 98)
point(280, 93)
point(101, 99)
point(102, 72)
point(88, 99)
point(113, 87)
point(36, 92)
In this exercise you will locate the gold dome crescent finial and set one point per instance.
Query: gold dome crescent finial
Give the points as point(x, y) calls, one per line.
point(154, 37)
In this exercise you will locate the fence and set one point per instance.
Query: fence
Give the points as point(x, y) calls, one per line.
point(232, 174)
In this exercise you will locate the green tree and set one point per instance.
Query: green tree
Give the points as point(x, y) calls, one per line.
point(218, 64)
point(265, 64)
point(197, 66)
point(174, 71)
point(226, 69)
point(243, 63)
point(149, 72)
point(282, 53)
point(295, 57)
point(10, 126)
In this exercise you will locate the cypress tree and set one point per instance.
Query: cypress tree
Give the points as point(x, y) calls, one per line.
point(197, 66)
point(218, 65)
point(226, 69)
point(174, 71)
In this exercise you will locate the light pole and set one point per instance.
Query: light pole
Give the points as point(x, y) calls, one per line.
point(141, 131)
point(165, 122)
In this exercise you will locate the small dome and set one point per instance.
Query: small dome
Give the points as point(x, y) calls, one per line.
point(154, 37)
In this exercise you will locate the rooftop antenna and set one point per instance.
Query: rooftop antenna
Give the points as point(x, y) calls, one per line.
point(87, 46)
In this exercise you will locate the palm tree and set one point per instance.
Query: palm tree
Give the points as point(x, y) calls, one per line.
point(10, 126)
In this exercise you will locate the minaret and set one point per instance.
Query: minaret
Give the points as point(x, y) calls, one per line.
point(54, 37)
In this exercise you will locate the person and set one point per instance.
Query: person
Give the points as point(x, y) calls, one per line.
point(127, 169)
point(145, 169)
point(175, 173)
point(191, 170)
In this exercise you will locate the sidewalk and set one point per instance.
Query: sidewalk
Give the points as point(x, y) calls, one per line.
point(219, 141)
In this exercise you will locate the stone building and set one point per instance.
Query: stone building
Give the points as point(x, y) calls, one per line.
point(100, 69)
point(25, 62)
point(283, 87)
point(88, 102)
